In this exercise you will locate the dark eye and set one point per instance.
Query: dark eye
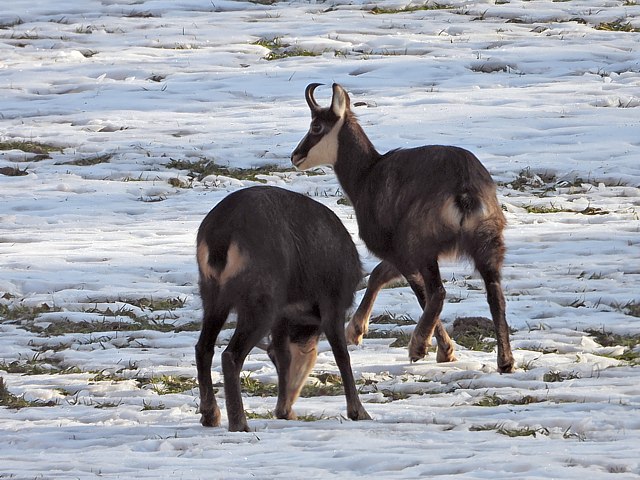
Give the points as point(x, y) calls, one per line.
point(316, 128)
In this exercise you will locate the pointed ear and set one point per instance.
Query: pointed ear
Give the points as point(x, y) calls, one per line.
point(340, 101)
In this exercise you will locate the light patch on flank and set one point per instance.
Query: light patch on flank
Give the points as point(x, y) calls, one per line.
point(236, 262)
point(325, 152)
point(451, 213)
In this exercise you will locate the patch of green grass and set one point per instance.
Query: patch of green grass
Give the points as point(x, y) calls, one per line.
point(9, 400)
point(474, 333)
point(26, 146)
point(168, 384)
point(378, 10)
point(327, 385)
point(543, 209)
point(494, 401)
point(108, 404)
point(617, 26)
point(92, 160)
point(510, 432)
point(37, 366)
point(202, 168)
point(24, 312)
point(309, 417)
point(392, 319)
point(147, 406)
point(259, 416)
point(256, 388)
point(631, 308)
point(278, 49)
point(158, 304)
point(609, 339)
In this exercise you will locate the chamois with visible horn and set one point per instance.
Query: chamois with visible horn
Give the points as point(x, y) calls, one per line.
point(289, 268)
point(412, 206)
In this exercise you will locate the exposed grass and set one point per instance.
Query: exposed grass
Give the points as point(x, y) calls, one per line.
point(24, 312)
point(494, 401)
point(557, 376)
point(617, 26)
point(394, 395)
point(378, 10)
point(38, 148)
point(278, 49)
point(88, 161)
point(510, 432)
point(158, 304)
point(631, 308)
point(37, 366)
point(527, 179)
point(202, 168)
point(392, 319)
point(9, 400)
point(256, 388)
point(544, 209)
point(64, 327)
point(108, 404)
point(608, 339)
point(26, 315)
point(259, 416)
point(13, 171)
point(327, 385)
point(147, 406)
point(168, 384)
point(474, 333)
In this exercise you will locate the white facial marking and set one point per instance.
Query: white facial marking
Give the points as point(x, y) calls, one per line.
point(325, 152)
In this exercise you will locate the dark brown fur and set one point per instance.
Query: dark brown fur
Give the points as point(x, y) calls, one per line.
point(288, 267)
point(414, 206)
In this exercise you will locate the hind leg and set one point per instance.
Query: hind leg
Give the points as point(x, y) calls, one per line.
point(430, 319)
point(332, 321)
point(446, 348)
point(214, 317)
point(381, 275)
point(254, 322)
point(294, 351)
point(491, 275)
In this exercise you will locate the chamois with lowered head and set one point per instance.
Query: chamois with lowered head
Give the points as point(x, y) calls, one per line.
point(288, 267)
point(412, 206)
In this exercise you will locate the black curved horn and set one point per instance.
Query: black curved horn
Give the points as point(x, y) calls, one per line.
point(308, 93)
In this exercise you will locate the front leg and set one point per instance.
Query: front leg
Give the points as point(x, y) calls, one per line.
point(358, 326)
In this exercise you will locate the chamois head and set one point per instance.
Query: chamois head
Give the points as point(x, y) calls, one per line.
point(320, 144)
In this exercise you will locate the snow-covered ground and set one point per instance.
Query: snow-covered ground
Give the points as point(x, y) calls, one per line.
point(98, 281)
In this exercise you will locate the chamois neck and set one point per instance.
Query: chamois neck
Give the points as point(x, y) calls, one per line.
point(356, 157)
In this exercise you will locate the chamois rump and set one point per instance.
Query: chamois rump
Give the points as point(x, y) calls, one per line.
point(412, 206)
point(288, 267)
